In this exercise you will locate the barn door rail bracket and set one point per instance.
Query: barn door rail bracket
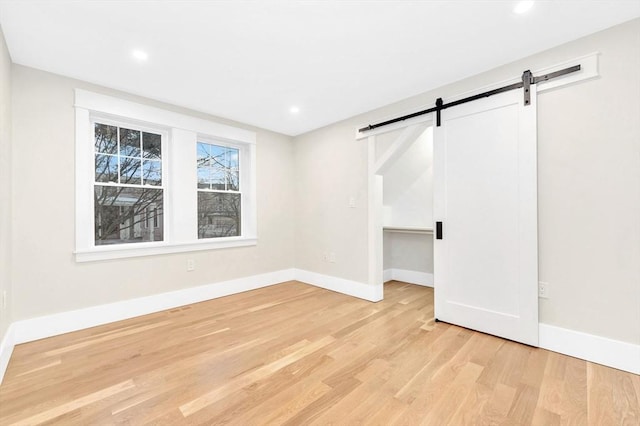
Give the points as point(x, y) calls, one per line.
point(527, 80)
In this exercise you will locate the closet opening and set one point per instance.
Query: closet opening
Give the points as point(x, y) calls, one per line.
point(402, 165)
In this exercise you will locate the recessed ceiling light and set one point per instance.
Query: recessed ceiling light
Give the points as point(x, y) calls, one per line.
point(523, 6)
point(294, 110)
point(139, 55)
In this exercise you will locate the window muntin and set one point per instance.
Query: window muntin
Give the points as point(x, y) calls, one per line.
point(218, 167)
point(219, 194)
point(128, 185)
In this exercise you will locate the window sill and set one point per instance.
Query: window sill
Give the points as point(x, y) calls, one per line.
point(151, 249)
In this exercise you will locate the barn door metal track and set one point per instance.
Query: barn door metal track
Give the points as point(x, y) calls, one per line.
point(527, 80)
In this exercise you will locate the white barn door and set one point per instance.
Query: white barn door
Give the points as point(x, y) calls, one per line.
point(485, 196)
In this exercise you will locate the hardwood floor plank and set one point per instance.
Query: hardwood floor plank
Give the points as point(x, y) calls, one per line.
point(448, 404)
point(234, 407)
point(574, 390)
point(284, 405)
point(309, 413)
point(626, 400)
point(387, 414)
point(110, 336)
point(445, 362)
point(600, 403)
point(534, 370)
point(245, 380)
point(524, 405)
point(469, 409)
point(496, 409)
point(59, 410)
point(542, 417)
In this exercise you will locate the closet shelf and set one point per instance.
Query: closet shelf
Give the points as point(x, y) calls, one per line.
point(407, 230)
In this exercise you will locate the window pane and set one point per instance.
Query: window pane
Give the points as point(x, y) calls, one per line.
point(152, 172)
point(129, 142)
point(203, 154)
point(232, 158)
point(106, 168)
point(218, 161)
point(106, 138)
point(218, 180)
point(218, 215)
point(233, 180)
point(204, 181)
point(130, 170)
point(152, 145)
point(121, 215)
point(203, 178)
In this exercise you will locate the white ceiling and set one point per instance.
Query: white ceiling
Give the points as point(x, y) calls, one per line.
point(251, 61)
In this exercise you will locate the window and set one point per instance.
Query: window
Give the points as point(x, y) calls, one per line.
point(151, 181)
point(219, 195)
point(128, 185)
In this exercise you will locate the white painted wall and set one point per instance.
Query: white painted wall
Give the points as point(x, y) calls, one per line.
point(46, 278)
point(589, 186)
point(589, 192)
point(411, 252)
point(408, 186)
point(385, 140)
point(330, 167)
point(5, 186)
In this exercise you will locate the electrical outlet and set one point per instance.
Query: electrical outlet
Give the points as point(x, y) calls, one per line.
point(332, 257)
point(325, 257)
point(352, 202)
point(4, 299)
point(191, 265)
point(543, 290)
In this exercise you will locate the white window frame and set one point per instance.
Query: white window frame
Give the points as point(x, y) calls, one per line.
point(179, 143)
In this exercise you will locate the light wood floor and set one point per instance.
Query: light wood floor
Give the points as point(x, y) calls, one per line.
point(295, 354)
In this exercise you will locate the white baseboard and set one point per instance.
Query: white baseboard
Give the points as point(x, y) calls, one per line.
point(600, 350)
point(6, 349)
point(65, 322)
point(341, 285)
point(407, 276)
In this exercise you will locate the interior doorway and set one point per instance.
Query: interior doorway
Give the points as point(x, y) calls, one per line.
point(407, 219)
point(401, 205)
